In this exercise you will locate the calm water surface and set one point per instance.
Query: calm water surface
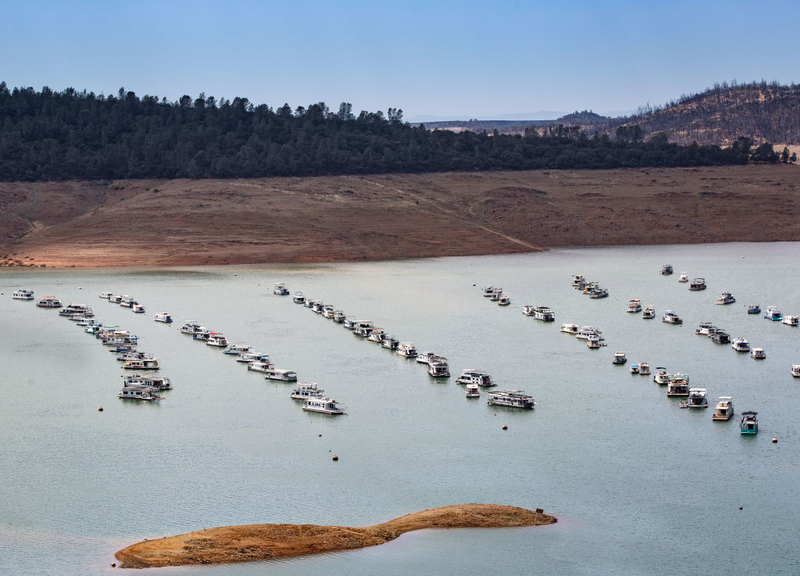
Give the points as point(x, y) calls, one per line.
point(639, 485)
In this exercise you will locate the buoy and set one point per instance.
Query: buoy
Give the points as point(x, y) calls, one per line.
point(505, 427)
point(320, 435)
point(100, 409)
point(113, 564)
point(740, 507)
point(774, 440)
point(335, 458)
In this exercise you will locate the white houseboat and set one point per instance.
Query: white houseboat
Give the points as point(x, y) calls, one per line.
point(586, 331)
point(697, 284)
point(488, 291)
point(49, 302)
point(438, 367)
point(570, 328)
point(407, 350)
point(635, 305)
point(259, 366)
point(791, 320)
point(683, 278)
point(154, 382)
point(22, 294)
point(217, 340)
point(649, 312)
point(425, 357)
point(544, 314)
point(322, 404)
point(137, 309)
point(670, 317)
point(725, 298)
point(644, 368)
point(237, 349)
point(106, 295)
point(472, 391)
point(796, 370)
point(678, 385)
point(619, 358)
point(307, 390)
point(510, 398)
point(773, 313)
point(661, 377)
point(282, 375)
point(666, 270)
point(299, 298)
point(163, 317)
point(252, 357)
point(740, 345)
point(471, 376)
point(504, 300)
point(142, 364)
point(280, 289)
point(758, 353)
point(138, 393)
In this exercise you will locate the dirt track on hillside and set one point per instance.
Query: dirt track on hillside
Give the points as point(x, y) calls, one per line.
point(345, 218)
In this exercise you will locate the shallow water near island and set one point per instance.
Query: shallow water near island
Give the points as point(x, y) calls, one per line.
point(639, 485)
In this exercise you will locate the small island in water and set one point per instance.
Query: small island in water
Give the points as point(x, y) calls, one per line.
point(274, 541)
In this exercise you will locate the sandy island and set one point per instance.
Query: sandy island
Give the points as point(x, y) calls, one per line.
point(273, 541)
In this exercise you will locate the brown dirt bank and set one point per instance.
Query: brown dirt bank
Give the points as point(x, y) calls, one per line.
point(273, 541)
point(196, 222)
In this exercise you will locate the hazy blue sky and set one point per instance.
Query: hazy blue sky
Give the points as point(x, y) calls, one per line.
point(431, 58)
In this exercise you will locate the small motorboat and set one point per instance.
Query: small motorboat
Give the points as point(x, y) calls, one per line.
point(683, 278)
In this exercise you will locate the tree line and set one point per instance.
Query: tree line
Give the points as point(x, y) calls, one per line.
point(50, 135)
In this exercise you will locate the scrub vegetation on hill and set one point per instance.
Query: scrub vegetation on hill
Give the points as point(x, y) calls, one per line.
point(72, 135)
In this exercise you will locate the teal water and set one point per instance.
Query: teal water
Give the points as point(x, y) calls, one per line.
point(639, 485)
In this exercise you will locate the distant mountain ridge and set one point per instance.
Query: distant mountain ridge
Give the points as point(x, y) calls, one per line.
point(762, 111)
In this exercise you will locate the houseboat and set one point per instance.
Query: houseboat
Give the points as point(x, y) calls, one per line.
point(496, 294)
point(634, 368)
point(796, 370)
point(237, 349)
point(323, 405)
point(578, 280)
point(666, 269)
point(138, 393)
point(635, 305)
point(749, 423)
point(75, 309)
point(338, 316)
point(426, 357)
point(407, 350)
point(106, 295)
point(683, 278)
point(22, 294)
point(137, 309)
point(720, 337)
point(190, 327)
point(678, 385)
point(115, 298)
point(280, 289)
point(649, 313)
point(773, 313)
point(390, 343)
point(504, 300)
point(328, 311)
point(298, 298)
point(488, 291)
point(698, 398)
point(472, 391)
point(671, 318)
point(217, 340)
point(249, 357)
point(438, 367)
point(154, 382)
point(49, 302)
point(163, 317)
point(644, 368)
point(758, 354)
point(307, 390)
point(570, 328)
point(127, 301)
point(544, 314)
point(142, 364)
point(471, 376)
point(754, 309)
point(791, 320)
point(349, 323)
point(317, 306)
point(598, 293)
point(697, 284)
point(724, 409)
point(376, 335)
point(619, 358)
point(740, 345)
point(259, 366)
point(586, 331)
point(725, 298)
point(705, 329)
point(595, 342)
point(511, 399)
point(661, 377)
point(282, 375)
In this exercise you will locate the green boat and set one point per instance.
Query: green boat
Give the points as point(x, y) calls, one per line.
point(749, 423)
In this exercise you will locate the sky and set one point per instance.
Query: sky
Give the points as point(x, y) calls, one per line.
point(490, 59)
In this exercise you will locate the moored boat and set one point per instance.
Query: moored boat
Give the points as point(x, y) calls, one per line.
point(22, 294)
point(586, 331)
point(570, 328)
point(666, 269)
point(758, 353)
point(471, 376)
point(661, 377)
point(407, 350)
point(141, 364)
point(773, 313)
point(678, 385)
point(137, 309)
point(698, 398)
point(635, 305)
point(634, 368)
point(49, 302)
point(278, 374)
point(754, 309)
point(619, 358)
point(720, 337)
point(724, 409)
point(544, 314)
point(425, 357)
point(670, 317)
point(791, 320)
point(705, 329)
point(138, 393)
point(725, 298)
point(280, 289)
point(237, 349)
point(438, 367)
point(740, 345)
point(594, 342)
point(217, 340)
point(299, 298)
point(472, 391)
point(488, 291)
point(390, 343)
point(323, 405)
point(106, 295)
point(163, 317)
point(307, 390)
point(338, 316)
point(796, 370)
point(504, 300)
point(648, 313)
point(259, 366)
point(644, 368)
point(510, 398)
point(697, 284)
point(683, 278)
point(252, 357)
point(749, 423)
point(154, 382)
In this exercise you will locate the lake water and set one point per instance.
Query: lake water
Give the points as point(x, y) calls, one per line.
point(639, 485)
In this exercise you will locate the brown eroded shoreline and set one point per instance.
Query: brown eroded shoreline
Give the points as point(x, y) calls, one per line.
point(158, 223)
point(273, 541)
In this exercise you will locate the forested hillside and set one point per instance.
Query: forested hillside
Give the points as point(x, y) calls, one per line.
point(49, 135)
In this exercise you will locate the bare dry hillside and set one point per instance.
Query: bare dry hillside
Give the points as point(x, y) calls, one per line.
point(195, 222)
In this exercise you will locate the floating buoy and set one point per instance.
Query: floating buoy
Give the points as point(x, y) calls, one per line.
point(740, 507)
point(505, 427)
point(320, 435)
point(100, 409)
point(335, 458)
point(774, 440)
point(113, 564)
